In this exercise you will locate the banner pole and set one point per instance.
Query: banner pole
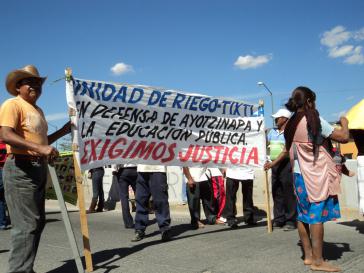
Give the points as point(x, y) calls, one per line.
point(267, 201)
point(83, 217)
point(80, 193)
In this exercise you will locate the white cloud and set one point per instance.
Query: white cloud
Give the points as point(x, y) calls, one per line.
point(121, 68)
point(357, 57)
point(249, 61)
point(56, 116)
point(343, 44)
point(359, 35)
point(335, 36)
point(336, 52)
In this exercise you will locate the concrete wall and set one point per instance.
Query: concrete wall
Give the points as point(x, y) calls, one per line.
point(349, 198)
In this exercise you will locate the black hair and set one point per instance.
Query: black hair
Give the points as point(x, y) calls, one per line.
point(303, 99)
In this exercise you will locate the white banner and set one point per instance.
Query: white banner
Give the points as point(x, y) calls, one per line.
point(122, 123)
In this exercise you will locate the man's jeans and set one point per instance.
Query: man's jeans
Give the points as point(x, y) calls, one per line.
point(24, 183)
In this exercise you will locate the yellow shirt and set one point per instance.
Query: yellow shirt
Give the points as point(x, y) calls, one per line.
point(27, 120)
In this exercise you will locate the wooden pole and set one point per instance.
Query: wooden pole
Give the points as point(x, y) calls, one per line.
point(267, 202)
point(80, 194)
point(83, 217)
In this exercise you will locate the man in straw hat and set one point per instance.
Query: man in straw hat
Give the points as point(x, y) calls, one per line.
point(24, 129)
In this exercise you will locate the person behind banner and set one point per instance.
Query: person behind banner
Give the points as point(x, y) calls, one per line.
point(98, 199)
point(284, 200)
point(113, 196)
point(126, 176)
point(316, 178)
point(199, 188)
point(24, 130)
point(245, 175)
point(152, 182)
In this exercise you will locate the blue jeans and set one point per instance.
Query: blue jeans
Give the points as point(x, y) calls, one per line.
point(24, 182)
point(3, 222)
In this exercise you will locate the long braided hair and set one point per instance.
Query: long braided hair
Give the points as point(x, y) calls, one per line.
point(302, 102)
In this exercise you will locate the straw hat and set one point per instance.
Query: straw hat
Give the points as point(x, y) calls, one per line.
point(28, 71)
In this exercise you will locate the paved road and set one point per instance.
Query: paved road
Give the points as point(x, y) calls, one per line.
point(212, 249)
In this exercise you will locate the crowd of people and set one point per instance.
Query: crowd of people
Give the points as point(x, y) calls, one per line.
point(203, 185)
point(305, 177)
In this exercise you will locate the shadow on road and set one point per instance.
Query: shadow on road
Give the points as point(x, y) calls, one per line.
point(52, 220)
point(58, 212)
point(359, 225)
point(331, 251)
point(104, 259)
point(334, 251)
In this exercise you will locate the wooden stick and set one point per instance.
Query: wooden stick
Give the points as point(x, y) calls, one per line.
point(267, 202)
point(83, 217)
point(80, 194)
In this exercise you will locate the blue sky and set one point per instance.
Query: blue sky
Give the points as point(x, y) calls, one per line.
point(217, 48)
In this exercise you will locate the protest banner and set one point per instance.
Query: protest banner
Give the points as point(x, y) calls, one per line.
point(122, 123)
point(64, 169)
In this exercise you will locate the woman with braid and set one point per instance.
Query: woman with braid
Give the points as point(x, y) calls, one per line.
point(316, 178)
